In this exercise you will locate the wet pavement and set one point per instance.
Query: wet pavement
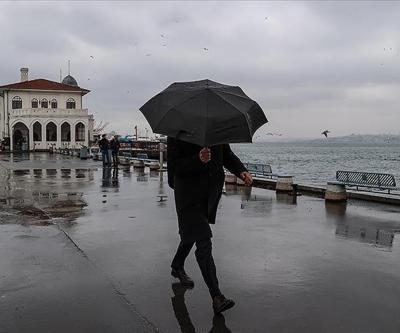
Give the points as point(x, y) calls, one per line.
point(88, 250)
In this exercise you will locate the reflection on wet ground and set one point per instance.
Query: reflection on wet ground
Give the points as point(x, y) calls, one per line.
point(35, 196)
point(183, 317)
point(374, 231)
point(302, 266)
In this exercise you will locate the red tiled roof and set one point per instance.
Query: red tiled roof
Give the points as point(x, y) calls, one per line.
point(42, 84)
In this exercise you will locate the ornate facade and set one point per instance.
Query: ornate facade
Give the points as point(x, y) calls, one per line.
point(40, 114)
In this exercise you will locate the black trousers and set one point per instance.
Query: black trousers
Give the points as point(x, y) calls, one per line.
point(204, 259)
point(114, 155)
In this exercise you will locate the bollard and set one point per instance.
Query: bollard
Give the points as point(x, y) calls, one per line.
point(124, 160)
point(239, 182)
point(162, 149)
point(284, 184)
point(230, 179)
point(138, 164)
point(285, 197)
point(335, 192)
point(245, 192)
point(230, 189)
point(154, 165)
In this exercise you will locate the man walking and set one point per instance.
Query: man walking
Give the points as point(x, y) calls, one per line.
point(114, 146)
point(104, 146)
point(197, 176)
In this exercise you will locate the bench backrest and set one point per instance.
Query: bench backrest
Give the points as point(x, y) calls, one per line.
point(261, 169)
point(366, 178)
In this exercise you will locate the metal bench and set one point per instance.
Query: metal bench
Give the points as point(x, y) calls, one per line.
point(139, 157)
point(260, 170)
point(146, 161)
point(380, 181)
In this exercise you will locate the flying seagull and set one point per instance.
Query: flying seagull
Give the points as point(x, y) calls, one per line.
point(325, 133)
point(92, 57)
point(205, 49)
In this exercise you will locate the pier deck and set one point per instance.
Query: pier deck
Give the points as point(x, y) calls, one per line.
point(86, 250)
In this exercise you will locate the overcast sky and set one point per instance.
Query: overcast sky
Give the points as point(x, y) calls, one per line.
point(310, 65)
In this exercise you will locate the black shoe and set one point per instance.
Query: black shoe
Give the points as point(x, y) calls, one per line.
point(183, 277)
point(220, 304)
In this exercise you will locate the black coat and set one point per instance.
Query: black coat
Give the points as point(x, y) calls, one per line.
point(104, 144)
point(198, 185)
point(114, 145)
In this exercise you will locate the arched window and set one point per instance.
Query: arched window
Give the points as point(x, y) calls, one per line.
point(37, 131)
point(20, 137)
point(65, 132)
point(44, 103)
point(70, 103)
point(51, 132)
point(53, 103)
point(35, 103)
point(79, 132)
point(16, 102)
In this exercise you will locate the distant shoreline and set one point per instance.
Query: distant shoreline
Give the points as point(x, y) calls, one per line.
point(381, 140)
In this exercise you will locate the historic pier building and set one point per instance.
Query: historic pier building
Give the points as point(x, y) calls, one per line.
point(40, 114)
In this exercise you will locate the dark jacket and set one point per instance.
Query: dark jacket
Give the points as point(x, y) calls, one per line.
point(198, 185)
point(104, 144)
point(115, 145)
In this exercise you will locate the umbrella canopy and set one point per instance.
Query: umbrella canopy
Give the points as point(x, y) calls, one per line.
point(204, 112)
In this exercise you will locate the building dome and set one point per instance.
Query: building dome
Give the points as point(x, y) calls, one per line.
point(70, 81)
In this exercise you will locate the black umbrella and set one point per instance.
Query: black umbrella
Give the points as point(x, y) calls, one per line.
point(204, 112)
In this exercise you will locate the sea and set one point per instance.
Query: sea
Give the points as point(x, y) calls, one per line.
point(316, 163)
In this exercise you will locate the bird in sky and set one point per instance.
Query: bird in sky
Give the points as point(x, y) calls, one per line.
point(92, 57)
point(205, 49)
point(325, 133)
point(162, 36)
point(148, 54)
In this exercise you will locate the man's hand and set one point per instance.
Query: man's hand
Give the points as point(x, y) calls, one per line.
point(205, 155)
point(247, 178)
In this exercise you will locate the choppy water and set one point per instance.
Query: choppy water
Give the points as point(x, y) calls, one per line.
point(315, 164)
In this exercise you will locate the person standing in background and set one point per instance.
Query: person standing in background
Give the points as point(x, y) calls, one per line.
point(114, 146)
point(104, 146)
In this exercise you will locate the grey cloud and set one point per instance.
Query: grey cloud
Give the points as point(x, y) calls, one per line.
point(308, 63)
